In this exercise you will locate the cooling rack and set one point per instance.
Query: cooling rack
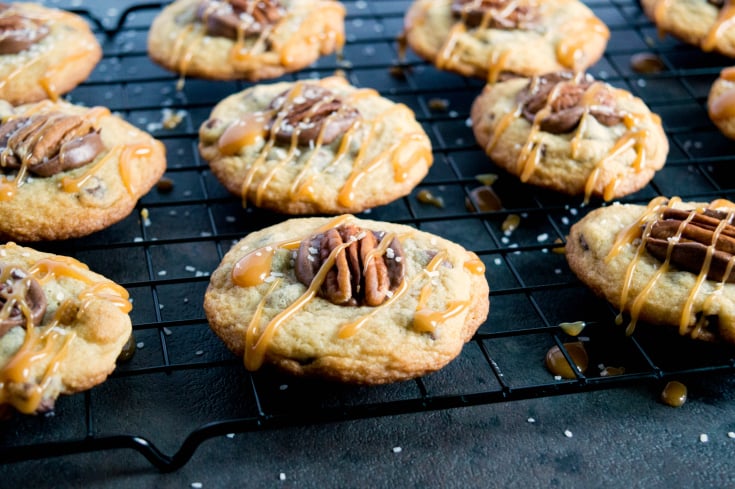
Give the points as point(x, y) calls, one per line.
point(182, 387)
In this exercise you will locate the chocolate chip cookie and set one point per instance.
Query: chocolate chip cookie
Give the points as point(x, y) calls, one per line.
point(43, 52)
point(702, 23)
point(347, 299)
point(570, 133)
point(62, 327)
point(486, 38)
point(315, 146)
point(67, 171)
point(244, 39)
point(667, 263)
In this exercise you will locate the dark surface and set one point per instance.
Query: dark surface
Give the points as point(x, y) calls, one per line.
point(465, 426)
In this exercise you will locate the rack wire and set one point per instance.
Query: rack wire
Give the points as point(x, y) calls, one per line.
point(183, 387)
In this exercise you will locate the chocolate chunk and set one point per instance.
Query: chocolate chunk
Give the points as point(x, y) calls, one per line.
point(20, 294)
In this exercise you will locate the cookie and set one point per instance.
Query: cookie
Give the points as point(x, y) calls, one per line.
point(721, 102)
point(44, 52)
point(315, 146)
point(346, 299)
point(701, 23)
point(485, 38)
point(667, 263)
point(244, 39)
point(67, 171)
point(570, 133)
point(62, 327)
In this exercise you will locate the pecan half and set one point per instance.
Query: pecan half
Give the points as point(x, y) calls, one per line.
point(245, 17)
point(357, 277)
point(566, 110)
point(20, 294)
point(690, 250)
point(313, 110)
point(17, 32)
point(48, 143)
point(494, 14)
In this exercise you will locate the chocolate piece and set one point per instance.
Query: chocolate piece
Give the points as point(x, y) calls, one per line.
point(357, 277)
point(494, 14)
point(690, 250)
point(248, 17)
point(565, 109)
point(17, 32)
point(307, 112)
point(20, 294)
point(48, 143)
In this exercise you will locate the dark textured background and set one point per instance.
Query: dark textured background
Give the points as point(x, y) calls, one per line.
point(465, 426)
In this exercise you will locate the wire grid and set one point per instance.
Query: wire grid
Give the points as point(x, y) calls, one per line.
point(182, 386)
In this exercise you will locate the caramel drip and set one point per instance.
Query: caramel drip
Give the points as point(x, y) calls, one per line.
point(570, 50)
point(628, 234)
point(290, 50)
point(349, 329)
point(260, 259)
point(125, 154)
point(379, 250)
point(627, 141)
point(659, 12)
point(239, 54)
point(723, 24)
point(255, 349)
point(47, 80)
point(49, 345)
point(496, 65)
point(183, 52)
point(293, 93)
point(502, 126)
point(361, 167)
point(253, 268)
point(243, 132)
point(474, 265)
point(530, 153)
point(689, 304)
point(263, 184)
point(723, 105)
point(426, 320)
point(445, 56)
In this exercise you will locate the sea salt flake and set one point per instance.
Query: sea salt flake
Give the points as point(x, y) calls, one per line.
point(397, 449)
point(282, 476)
point(568, 433)
point(230, 435)
point(731, 434)
point(704, 438)
point(197, 485)
point(531, 420)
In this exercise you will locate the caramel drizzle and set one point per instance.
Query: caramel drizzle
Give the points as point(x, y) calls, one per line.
point(530, 154)
point(50, 343)
point(402, 154)
point(240, 54)
point(723, 105)
point(570, 51)
point(125, 153)
point(723, 23)
point(47, 80)
point(632, 232)
point(254, 268)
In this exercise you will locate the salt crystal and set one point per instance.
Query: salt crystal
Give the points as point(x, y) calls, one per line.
point(282, 476)
point(568, 433)
point(397, 449)
point(704, 438)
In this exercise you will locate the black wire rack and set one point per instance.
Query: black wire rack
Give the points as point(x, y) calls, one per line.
point(183, 386)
